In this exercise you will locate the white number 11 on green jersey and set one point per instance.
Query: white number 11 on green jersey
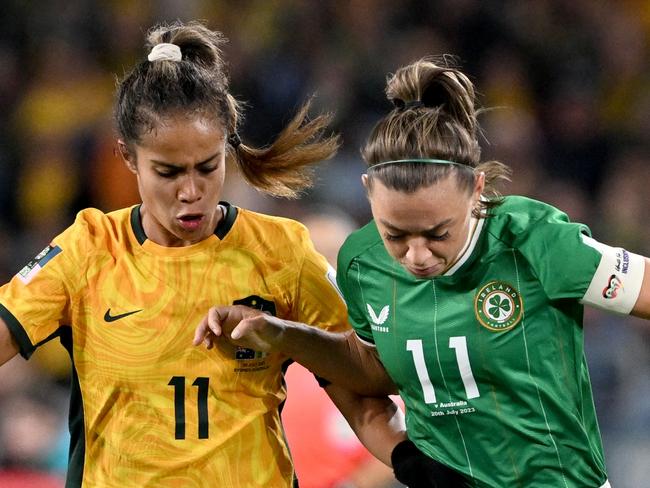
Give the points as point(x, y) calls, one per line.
point(462, 359)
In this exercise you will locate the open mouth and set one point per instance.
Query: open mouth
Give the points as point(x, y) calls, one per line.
point(191, 221)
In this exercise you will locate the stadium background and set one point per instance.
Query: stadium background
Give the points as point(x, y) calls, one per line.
point(571, 81)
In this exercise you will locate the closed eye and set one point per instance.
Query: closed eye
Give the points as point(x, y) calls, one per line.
point(167, 169)
point(436, 237)
point(208, 169)
point(167, 173)
point(171, 172)
point(431, 237)
point(393, 237)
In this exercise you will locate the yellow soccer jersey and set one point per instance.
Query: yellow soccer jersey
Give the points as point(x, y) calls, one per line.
point(148, 408)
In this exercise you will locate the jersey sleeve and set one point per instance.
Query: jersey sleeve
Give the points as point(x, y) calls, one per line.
point(37, 300)
point(570, 264)
point(350, 288)
point(616, 285)
point(319, 301)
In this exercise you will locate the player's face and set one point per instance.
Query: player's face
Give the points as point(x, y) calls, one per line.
point(425, 231)
point(180, 166)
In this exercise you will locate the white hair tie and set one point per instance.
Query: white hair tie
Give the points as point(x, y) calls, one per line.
point(165, 52)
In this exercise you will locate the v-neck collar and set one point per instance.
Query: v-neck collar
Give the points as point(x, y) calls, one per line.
point(476, 226)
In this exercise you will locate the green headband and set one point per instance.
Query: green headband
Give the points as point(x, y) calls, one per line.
point(425, 161)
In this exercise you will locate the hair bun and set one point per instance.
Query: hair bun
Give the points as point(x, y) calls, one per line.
point(165, 51)
point(398, 103)
point(401, 105)
point(414, 104)
point(436, 92)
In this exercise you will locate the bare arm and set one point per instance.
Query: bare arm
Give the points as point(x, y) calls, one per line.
point(642, 306)
point(377, 421)
point(8, 346)
point(338, 357)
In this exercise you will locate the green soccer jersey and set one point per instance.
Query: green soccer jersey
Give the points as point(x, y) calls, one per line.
point(488, 357)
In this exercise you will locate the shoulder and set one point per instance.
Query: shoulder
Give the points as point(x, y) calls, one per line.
point(276, 234)
point(360, 242)
point(523, 210)
point(98, 220)
point(519, 218)
point(92, 226)
point(271, 225)
point(89, 217)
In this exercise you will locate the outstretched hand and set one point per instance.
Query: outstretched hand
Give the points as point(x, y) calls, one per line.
point(240, 325)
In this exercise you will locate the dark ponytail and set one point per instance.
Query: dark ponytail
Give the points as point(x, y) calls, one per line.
point(198, 83)
point(435, 117)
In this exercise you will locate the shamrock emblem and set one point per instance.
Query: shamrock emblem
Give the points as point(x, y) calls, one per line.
point(498, 306)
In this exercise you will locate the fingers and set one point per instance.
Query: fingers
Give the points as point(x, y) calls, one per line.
point(239, 320)
point(247, 326)
point(239, 331)
point(210, 340)
point(209, 328)
point(201, 332)
point(259, 332)
point(215, 318)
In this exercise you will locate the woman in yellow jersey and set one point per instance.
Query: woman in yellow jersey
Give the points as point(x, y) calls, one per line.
point(123, 290)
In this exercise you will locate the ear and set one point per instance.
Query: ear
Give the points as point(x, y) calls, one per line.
point(364, 180)
point(479, 186)
point(126, 156)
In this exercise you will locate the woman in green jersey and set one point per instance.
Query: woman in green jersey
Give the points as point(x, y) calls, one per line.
point(472, 303)
point(123, 290)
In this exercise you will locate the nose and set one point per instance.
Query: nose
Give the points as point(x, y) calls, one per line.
point(417, 252)
point(189, 190)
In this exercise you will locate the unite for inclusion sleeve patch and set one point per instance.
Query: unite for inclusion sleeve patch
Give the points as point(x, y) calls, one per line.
point(616, 284)
point(35, 265)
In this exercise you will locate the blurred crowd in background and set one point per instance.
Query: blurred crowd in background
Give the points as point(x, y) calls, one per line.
point(567, 84)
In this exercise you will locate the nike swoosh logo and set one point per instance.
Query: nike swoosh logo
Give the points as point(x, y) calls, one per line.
point(112, 318)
